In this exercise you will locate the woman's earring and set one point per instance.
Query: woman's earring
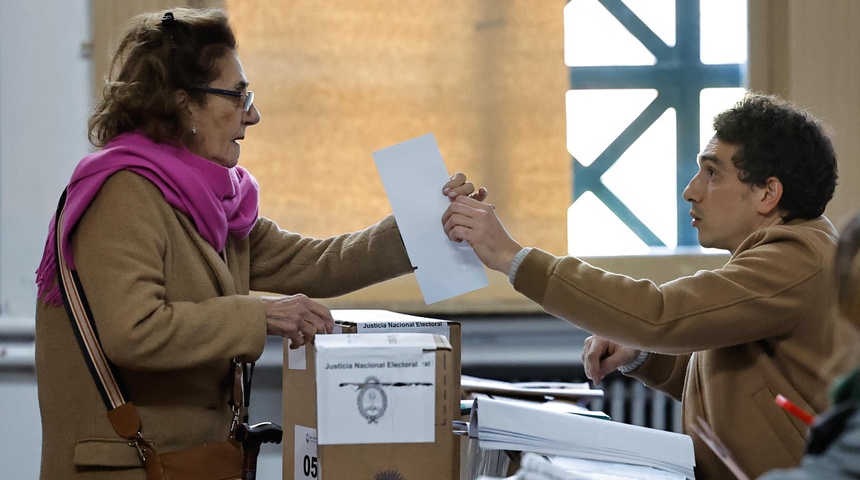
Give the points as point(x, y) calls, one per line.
point(193, 130)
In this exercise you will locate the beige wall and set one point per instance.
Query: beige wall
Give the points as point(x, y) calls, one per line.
point(809, 52)
point(337, 80)
point(108, 18)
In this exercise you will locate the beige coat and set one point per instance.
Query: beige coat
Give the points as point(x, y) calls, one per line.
point(171, 314)
point(760, 326)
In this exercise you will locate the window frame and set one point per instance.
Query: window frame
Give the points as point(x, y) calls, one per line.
point(678, 76)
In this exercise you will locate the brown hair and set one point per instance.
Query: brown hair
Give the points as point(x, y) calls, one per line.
point(158, 54)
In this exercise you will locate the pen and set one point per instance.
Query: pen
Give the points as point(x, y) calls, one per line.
point(794, 409)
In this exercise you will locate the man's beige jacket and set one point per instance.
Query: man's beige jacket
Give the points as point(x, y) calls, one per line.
point(730, 339)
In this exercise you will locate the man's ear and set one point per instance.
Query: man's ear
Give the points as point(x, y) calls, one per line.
point(771, 194)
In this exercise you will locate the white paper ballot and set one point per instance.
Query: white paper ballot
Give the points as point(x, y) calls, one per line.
point(413, 174)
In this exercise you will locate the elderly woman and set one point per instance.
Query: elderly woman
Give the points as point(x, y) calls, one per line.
point(162, 228)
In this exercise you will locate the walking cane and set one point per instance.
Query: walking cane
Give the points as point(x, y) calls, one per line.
point(252, 437)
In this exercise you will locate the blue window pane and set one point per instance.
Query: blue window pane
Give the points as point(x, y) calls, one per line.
point(658, 15)
point(644, 179)
point(594, 230)
point(595, 118)
point(587, 22)
point(722, 41)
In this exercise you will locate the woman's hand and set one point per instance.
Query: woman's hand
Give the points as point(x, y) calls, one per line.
point(600, 357)
point(296, 317)
point(459, 186)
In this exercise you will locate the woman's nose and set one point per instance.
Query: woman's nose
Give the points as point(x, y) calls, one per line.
point(252, 116)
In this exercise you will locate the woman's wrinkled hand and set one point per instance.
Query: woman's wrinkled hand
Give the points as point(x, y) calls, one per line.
point(297, 318)
point(458, 185)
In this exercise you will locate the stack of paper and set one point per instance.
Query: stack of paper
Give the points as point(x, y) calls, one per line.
point(538, 467)
point(500, 424)
point(476, 462)
point(533, 390)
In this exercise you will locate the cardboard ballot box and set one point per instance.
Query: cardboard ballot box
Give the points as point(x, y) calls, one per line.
point(384, 321)
point(370, 406)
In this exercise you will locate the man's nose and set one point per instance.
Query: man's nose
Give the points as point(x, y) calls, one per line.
point(688, 193)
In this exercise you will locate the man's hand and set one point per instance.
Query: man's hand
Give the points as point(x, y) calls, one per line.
point(296, 317)
point(477, 223)
point(601, 357)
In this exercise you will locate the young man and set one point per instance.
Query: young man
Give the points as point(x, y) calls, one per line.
point(726, 341)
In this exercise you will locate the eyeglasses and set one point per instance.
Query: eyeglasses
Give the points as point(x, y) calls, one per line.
point(249, 95)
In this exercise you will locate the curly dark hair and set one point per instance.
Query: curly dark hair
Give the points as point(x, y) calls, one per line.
point(777, 139)
point(158, 54)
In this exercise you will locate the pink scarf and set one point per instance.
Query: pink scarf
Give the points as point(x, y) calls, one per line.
point(219, 200)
